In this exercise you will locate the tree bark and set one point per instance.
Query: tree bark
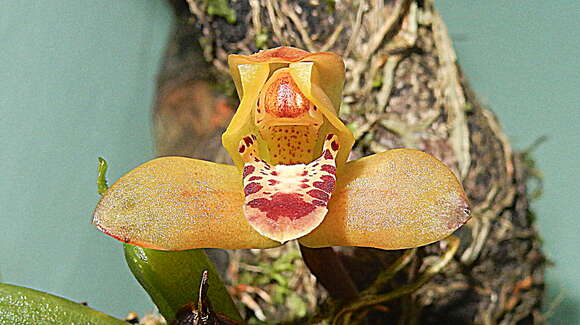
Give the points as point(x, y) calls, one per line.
point(404, 88)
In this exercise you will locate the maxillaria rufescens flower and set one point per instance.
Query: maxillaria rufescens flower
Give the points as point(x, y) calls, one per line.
point(290, 179)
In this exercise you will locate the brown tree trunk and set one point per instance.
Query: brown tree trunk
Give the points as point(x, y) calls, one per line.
point(404, 88)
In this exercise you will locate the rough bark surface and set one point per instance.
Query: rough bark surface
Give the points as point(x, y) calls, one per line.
point(404, 88)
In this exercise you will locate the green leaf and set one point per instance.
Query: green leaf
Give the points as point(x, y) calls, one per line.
point(172, 279)
point(262, 39)
point(297, 305)
point(222, 9)
point(19, 305)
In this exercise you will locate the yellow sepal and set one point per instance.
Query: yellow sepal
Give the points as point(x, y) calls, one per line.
point(397, 199)
point(177, 203)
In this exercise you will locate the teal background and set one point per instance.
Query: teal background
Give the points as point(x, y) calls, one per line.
point(77, 82)
point(522, 59)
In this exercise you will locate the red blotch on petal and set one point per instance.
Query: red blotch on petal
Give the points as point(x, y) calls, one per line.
point(248, 170)
point(252, 188)
point(318, 194)
point(327, 154)
point(329, 169)
point(289, 205)
point(328, 183)
point(334, 145)
point(248, 141)
point(319, 203)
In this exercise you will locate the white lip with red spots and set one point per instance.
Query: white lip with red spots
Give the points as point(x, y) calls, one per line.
point(285, 202)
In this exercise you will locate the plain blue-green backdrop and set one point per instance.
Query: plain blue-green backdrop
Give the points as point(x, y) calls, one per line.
point(77, 82)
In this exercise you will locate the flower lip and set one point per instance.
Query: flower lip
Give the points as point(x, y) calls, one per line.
point(287, 201)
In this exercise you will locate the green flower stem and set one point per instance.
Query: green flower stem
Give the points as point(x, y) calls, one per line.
point(172, 279)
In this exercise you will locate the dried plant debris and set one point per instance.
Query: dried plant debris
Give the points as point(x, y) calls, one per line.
point(273, 285)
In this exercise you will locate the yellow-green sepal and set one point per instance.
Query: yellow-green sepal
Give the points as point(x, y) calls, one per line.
point(249, 79)
point(310, 81)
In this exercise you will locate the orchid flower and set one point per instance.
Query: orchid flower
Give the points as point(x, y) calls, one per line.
point(290, 178)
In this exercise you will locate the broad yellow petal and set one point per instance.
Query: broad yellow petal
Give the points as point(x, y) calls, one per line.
point(396, 199)
point(176, 203)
